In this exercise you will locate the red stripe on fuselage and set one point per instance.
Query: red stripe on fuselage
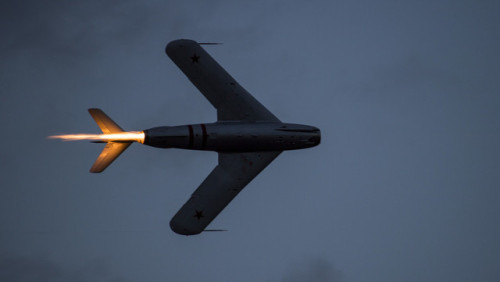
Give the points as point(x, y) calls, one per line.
point(205, 136)
point(191, 137)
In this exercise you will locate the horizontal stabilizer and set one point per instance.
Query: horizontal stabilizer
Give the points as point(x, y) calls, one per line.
point(113, 149)
point(108, 155)
point(106, 124)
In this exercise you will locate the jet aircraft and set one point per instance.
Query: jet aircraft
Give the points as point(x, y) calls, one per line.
point(246, 136)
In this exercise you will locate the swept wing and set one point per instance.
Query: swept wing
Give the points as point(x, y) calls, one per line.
point(229, 177)
point(233, 102)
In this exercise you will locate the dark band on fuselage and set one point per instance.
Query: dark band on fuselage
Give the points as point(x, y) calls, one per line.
point(191, 138)
point(205, 136)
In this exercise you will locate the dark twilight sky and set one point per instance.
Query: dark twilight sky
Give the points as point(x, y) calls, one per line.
point(404, 187)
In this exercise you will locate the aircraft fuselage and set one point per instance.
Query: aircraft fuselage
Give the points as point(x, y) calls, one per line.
point(234, 136)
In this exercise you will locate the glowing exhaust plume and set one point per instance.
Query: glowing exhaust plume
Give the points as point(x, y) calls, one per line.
point(131, 136)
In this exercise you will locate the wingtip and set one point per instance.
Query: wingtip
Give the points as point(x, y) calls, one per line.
point(181, 229)
point(178, 42)
point(183, 42)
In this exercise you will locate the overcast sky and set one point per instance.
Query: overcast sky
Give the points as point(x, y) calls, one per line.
point(405, 185)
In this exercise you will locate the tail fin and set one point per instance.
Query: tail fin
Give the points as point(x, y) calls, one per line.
point(112, 149)
point(108, 155)
point(106, 124)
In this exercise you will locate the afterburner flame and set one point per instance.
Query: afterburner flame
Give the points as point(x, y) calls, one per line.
point(133, 136)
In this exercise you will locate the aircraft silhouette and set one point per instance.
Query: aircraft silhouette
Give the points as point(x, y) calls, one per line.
point(246, 136)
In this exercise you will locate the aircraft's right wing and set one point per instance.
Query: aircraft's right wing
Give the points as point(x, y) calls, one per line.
point(234, 172)
point(231, 100)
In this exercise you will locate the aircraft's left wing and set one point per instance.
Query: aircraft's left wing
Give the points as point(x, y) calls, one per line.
point(234, 172)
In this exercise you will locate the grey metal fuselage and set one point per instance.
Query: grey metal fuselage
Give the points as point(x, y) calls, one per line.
point(234, 136)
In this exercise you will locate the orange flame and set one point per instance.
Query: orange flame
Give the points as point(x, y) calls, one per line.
point(132, 136)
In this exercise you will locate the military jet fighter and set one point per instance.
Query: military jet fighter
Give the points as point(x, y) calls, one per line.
point(246, 136)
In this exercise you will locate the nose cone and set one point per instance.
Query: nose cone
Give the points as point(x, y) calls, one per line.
point(313, 136)
point(316, 138)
